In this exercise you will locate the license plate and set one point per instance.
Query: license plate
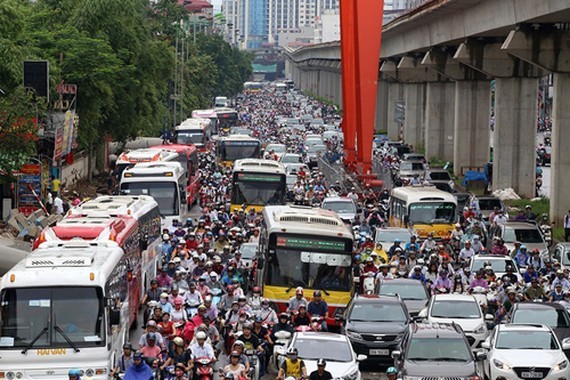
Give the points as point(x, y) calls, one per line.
point(531, 375)
point(380, 352)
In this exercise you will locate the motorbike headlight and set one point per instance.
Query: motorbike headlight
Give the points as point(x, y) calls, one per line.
point(500, 365)
point(480, 330)
point(354, 335)
point(561, 366)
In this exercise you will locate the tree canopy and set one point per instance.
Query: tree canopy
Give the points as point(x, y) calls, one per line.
point(122, 54)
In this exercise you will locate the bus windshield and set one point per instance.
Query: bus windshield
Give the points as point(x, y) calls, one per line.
point(164, 193)
point(432, 212)
point(293, 265)
point(190, 137)
point(259, 189)
point(54, 317)
point(232, 151)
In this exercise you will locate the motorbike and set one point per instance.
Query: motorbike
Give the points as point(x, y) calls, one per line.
point(280, 347)
point(368, 283)
point(192, 307)
point(480, 294)
point(216, 296)
point(204, 369)
point(254, 363)
point(547, 233)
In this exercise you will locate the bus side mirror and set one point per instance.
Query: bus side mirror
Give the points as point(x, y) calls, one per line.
point(144, 243)
point(115, 317)
point(260, 263)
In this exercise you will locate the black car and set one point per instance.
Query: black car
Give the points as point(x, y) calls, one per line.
point(412, 292)
point(436, 351)
point(551, 314)
point(375, 325)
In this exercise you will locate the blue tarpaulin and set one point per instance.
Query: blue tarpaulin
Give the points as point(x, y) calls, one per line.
point(473, 176)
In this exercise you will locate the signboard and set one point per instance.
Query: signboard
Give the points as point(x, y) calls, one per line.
point(299, 242)
point(29, 181)
point(258, 177)
point(58, 144)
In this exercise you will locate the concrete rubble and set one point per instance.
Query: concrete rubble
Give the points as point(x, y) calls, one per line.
point(27, 228)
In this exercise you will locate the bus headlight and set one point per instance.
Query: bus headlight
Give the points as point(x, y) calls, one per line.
point(89, 372)
point(10, 375)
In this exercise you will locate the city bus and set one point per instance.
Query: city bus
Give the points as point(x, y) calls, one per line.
point(130, 158)
point(307, 247)
point(68, 305)
point(209, 114)
point(188, 157)
point(236, 147)
point(165, 182)
point(423, 209)
point(257, 183)
point(227, 118)
point(252, 87)
point(197, 132)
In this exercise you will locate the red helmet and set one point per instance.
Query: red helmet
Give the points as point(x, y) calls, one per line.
point(256, 289)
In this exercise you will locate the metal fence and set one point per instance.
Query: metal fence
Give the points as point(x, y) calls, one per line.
point(383, 174)
point(332, 171)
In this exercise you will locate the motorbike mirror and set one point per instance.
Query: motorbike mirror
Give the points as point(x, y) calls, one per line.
point(480, 356)
point(396, 354)
point(489, 317)
point(361, 358)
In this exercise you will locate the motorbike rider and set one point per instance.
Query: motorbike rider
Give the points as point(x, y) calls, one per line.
point(151, 328)
point(392, 373)
point(139, 370)
point(562, 280)
point(522, 257)
point(228, 299)
point(416, 274)
point(125, 361)
point(535, 260)
point(479, 280)
point(301, 318)
point(192, 298)
point(267, 314)
point(499, 247)
point(319, 308)
point(412, 245)
point(535, 291)
point(282, 325)
point(234, 367)
point(201, 348)
point(252, 342)
point(384, 273)
point(292, 366)
point(477, 245)
point(297, 300)
point(320, 373)
point(151, 349)
point(467, 252)
point(429, 244)
point(442, 282)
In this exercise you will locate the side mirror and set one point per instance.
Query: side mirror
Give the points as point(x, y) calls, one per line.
point(115, 317)
point(260, 263)
point(566, 344)
point(522, 271)
point(423, 313)
point(489, 317)
point(486, 345)
point(361, 358)
point(417, 319)
point(339, 318)
point(480, 356)
point(396, 355)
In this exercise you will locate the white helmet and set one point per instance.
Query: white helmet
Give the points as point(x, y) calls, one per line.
point(201, 335)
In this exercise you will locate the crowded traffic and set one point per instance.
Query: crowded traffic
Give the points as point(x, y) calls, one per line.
point(239, 249)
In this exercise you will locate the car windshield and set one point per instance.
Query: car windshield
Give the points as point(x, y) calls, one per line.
point(555, 318)
point(316, 148)
point(340, 207)
point(291, 158)
point(440, 176)
point(196, 137)
point(524, 235)
point(432, 212)
point(377, 312)
point(406, 165)
point(489, 204)
point(312, 349)
point(526, 340)
point(455, 309)
point(407, 291)
point(276, 148)
point(499, 265)
point(259, 189)
point(391, 236)
point(439, 349)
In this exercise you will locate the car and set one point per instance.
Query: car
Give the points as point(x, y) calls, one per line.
point(499, 264)
point(313, 154)
point(328, 135)
point(561, 252)
point(485, 205)
point(294, 168)
point(439, 176)
point(461, 309)
point(441, 185)
point(342, 361)
point(525, 352)
point(387, 235)
point(412, 292)
point(528, 233)
point(290, 158)
point(410, 169)
point(249, 254)
point(345, 207)
point(375, 325)
point(291, 180)
point(551, 314)
point(414, 157)
point(436, 351)
point(463, 200)
point(311, 140)
point(278, 149)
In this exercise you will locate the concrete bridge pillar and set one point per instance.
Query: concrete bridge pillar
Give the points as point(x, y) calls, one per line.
point(439, 120)
point(381, 123)
point(395, 95)
point(471, 125)
point(414, 125)
point(514, 160)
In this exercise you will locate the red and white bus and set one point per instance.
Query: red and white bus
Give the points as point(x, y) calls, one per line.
point(188, 158)
point(133, 157)
point(209, 114)
point(196, 132)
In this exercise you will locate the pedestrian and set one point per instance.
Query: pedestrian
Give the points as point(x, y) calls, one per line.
point(58, 204)
point(567, 227)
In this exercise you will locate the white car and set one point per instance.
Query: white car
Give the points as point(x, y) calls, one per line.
point(345, 207)
point(278, 149)
point(294, 168)
point(342, 361)
point(463, 310)
point(499, 264)
point(525, 352)
point(290, 158)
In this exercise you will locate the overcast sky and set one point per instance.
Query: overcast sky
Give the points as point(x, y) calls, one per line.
point(217, 5)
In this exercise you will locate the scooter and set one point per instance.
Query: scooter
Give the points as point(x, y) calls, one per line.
point(280, 347)
point(254, 363)
point(216, 296)
point(192, 307)
point(480, 294)
point(204, 369)
point(367, 281)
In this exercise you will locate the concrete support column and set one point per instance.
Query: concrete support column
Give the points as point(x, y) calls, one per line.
point(440, 116)
point(381, 123)
point(514, 163)
point(560, 166)
point(395, 94)
point(471, 125)
point(414, 125)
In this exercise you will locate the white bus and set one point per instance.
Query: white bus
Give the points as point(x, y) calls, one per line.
point(67, 305)
point(308, 247)
point(196, 132)
point(165, 182)
point(133, 157)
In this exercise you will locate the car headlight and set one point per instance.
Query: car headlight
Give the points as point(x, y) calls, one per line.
point(351, 376)
point(561, 366)
point(500, 365)
point(353, 335)
point(480, 330)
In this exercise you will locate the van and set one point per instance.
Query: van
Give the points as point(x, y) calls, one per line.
point(221, 101)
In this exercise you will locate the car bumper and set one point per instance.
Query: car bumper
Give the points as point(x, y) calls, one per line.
point(512, 374)
point(377, 352)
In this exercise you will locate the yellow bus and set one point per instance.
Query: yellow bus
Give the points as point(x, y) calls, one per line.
point(257, 183)
point(423, 210)
point(307, 247)
point(235, 147)
point(252, 87)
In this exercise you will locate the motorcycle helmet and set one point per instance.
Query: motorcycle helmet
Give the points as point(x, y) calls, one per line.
point(201, 335)
point(229, 376)
point(321, 362)
point(392, 371)
point(292, 351)
point(178, 341)
point(74, 372)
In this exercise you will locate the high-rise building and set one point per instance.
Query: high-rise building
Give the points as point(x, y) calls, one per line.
point(256, 24)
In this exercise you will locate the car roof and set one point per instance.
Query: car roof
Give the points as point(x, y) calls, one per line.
point(402, 281)
point(453, 297)
point(491, 257)
point(314, 335)
point(539, 305)
point(436, 329)
point(566, 245)
point(375, 298)
point(516, 224)
point(523, 327)
point(338, 199)
point(393, 229)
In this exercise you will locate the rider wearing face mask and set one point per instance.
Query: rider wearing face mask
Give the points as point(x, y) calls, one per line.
point(267, 314)
point(429, 244)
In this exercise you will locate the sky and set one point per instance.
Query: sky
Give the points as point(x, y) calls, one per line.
point(217, 5)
